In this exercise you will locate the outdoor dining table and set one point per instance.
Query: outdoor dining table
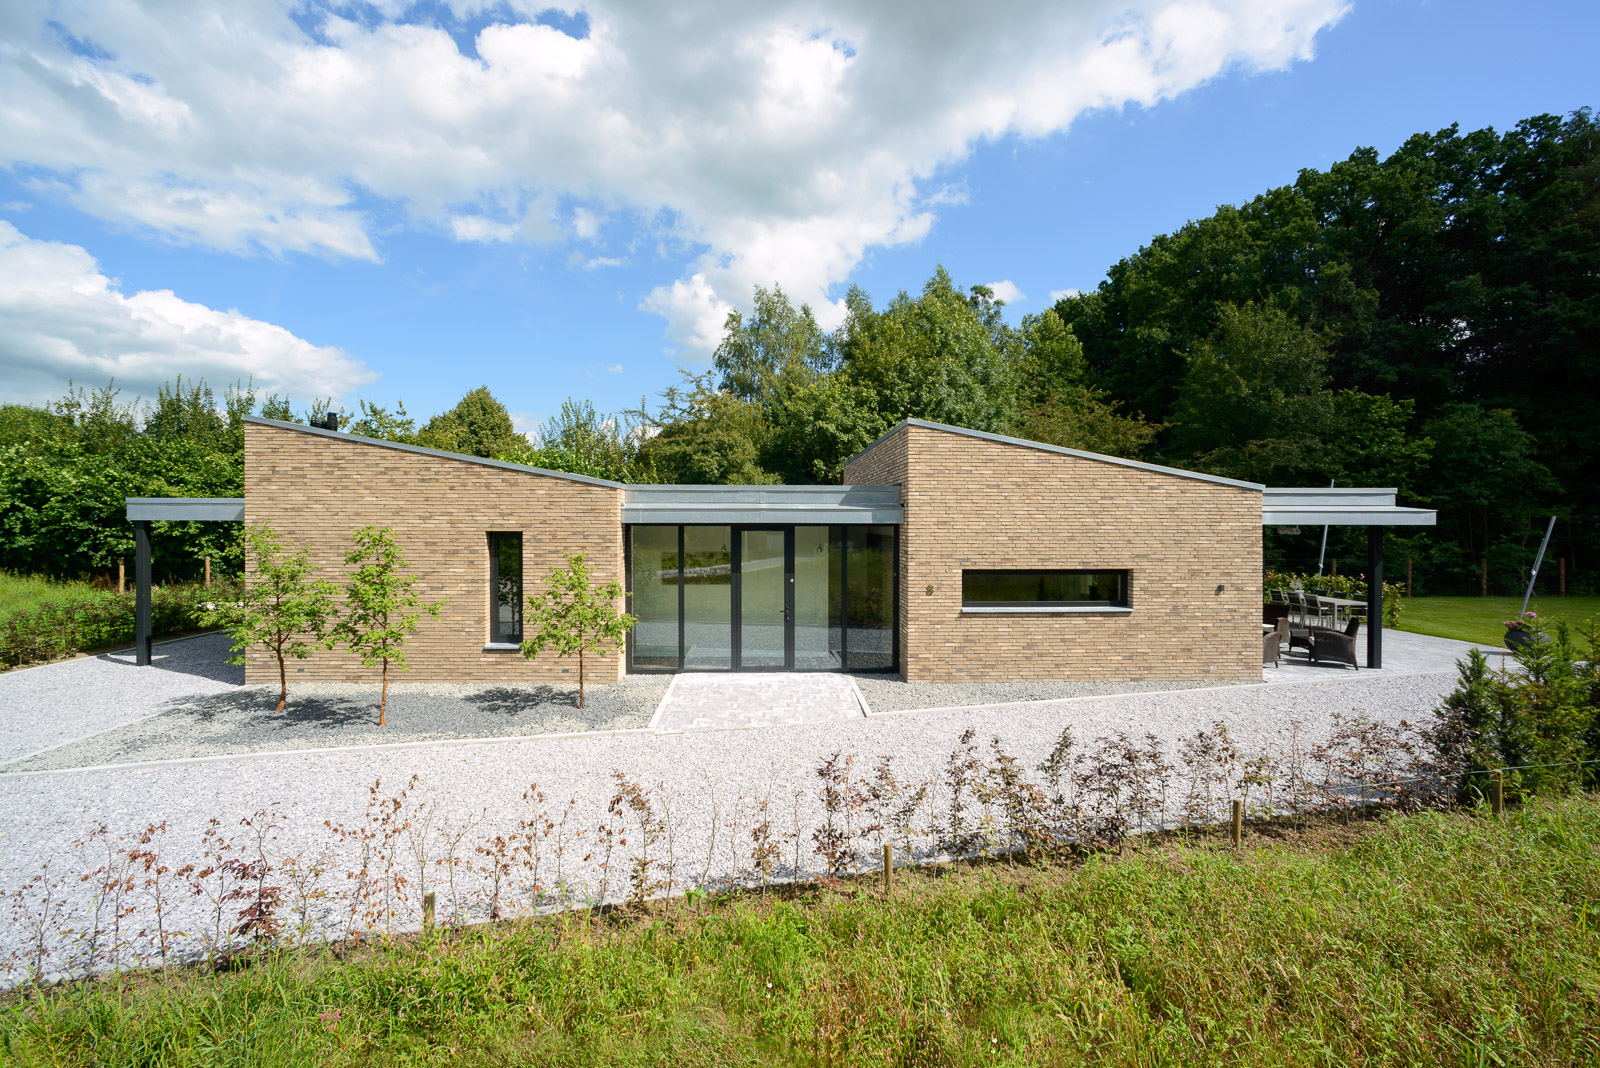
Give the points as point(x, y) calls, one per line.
point(1344, 604)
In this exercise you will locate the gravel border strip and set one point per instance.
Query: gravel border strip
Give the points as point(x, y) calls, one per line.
point(444, 743)
point(433, 743)
point(1341, 679)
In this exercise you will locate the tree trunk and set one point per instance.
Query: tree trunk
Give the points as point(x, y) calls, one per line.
point(283, 683)
point(580, 676)
point(383, 702)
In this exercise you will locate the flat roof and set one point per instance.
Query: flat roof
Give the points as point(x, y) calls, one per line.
point(754, 505)
point(1060, 450)
point(1339, 506)
point(180, 509)
point(381, 443)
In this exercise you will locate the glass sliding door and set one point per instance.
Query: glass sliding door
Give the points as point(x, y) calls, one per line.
point(763, 569)
point(707, 598)
point(816, 600)
point(869, 598)
point(656, 598)
point(800, 598)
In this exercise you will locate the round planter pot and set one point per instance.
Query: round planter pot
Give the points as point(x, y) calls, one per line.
point(1516, 639)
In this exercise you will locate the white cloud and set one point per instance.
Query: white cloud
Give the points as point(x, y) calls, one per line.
point(615, 369)
point(759, 143)
point(1006, 290)
point(61, 318)
point(1060, 294)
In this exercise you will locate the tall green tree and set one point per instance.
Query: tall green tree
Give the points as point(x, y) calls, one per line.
point(284, 608)
point(777, 343)
point(573, 616)
point(1059, 405)
point(479, 425)
point(382, 607)
point(940, 356)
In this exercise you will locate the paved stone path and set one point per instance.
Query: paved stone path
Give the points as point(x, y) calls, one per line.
point(711, 702)
point(1404, 653)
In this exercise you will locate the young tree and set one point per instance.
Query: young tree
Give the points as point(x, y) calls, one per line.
point(575, 616)
point(282, 608)
point(381, 605)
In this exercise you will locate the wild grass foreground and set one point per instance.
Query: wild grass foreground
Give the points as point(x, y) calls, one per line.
point(1437, 938)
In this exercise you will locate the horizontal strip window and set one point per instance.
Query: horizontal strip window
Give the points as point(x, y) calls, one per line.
point(1044, 591)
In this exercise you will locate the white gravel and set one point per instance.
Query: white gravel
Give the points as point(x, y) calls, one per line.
point(46, 706)
point(702, 777)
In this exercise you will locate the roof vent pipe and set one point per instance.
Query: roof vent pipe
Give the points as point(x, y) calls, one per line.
point(329, 421)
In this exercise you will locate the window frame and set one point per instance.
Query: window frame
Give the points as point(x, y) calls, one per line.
point(496, 640)
point(1049, 607)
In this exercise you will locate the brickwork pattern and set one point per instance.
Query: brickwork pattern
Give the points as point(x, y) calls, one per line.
point(973, 503)
point(314, 490)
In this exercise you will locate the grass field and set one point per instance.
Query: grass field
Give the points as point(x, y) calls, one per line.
point(18, 592)
point(1425, 939)
point(1481, 619)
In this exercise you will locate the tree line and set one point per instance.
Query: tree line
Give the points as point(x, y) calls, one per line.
point(1428, 321)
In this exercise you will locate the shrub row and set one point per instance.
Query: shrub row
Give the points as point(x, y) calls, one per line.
point(68, 625)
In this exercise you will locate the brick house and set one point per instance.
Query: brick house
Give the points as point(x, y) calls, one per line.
point(948, 555)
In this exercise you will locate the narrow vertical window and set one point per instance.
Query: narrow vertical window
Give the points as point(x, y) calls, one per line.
point(505, 588)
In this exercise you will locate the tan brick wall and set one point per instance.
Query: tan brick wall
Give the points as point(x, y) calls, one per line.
point(314, 490)
point(972, 503)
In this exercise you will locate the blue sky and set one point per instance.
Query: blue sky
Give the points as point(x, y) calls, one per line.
point(373, 240)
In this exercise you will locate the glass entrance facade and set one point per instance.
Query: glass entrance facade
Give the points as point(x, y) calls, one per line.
point(762, 598)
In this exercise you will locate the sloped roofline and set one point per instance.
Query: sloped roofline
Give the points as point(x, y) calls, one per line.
point(1042, 447)
point(483, 461)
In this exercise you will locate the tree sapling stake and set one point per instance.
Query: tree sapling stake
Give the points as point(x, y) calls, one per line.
point(575, 616)
point(379, 603)
point(282, 607)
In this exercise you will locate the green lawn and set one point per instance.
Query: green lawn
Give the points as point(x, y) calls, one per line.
point(1436, 938)
point(1481, 619)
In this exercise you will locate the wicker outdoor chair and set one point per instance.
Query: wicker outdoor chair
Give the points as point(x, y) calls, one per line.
point(1270, 648)
point(1335, 646)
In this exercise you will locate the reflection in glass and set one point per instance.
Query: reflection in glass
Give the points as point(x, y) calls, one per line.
point(505, 586)
point(1044, 589)
point(816, 599)
point(655, 598)
point(870, 601)
point(707, 599)
point(761, 599)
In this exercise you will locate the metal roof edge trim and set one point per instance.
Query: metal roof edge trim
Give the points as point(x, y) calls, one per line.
point(440, 453)
point(673, 515)
point(1060, 450)
point(184, 509)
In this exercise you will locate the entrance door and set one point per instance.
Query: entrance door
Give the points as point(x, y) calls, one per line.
point(764, 599)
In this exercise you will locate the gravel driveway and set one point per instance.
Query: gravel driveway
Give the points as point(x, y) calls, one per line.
point(702, 778)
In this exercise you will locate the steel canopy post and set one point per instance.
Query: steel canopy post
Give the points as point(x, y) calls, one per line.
point(1374, 597)
point(141, 596)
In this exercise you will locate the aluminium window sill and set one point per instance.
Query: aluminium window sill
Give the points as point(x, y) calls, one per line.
point(1074, 610)
point(502, 647)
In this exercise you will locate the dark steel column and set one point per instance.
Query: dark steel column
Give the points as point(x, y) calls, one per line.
point(1374, 597)
point(141, 594)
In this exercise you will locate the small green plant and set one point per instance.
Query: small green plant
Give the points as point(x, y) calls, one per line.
point(381, 605)
point(282, 608)
point(576, 616)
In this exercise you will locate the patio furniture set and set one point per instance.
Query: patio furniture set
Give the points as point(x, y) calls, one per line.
point(1292, 619)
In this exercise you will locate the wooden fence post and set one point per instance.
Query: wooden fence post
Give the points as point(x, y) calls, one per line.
point(122, 576)
point(428, 900)
point(1563, 576)
point(1498, 800)
point(208, 572)
point(1238, 822)
point(888, 868)
point(1483, 579)
point(1408, 576)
